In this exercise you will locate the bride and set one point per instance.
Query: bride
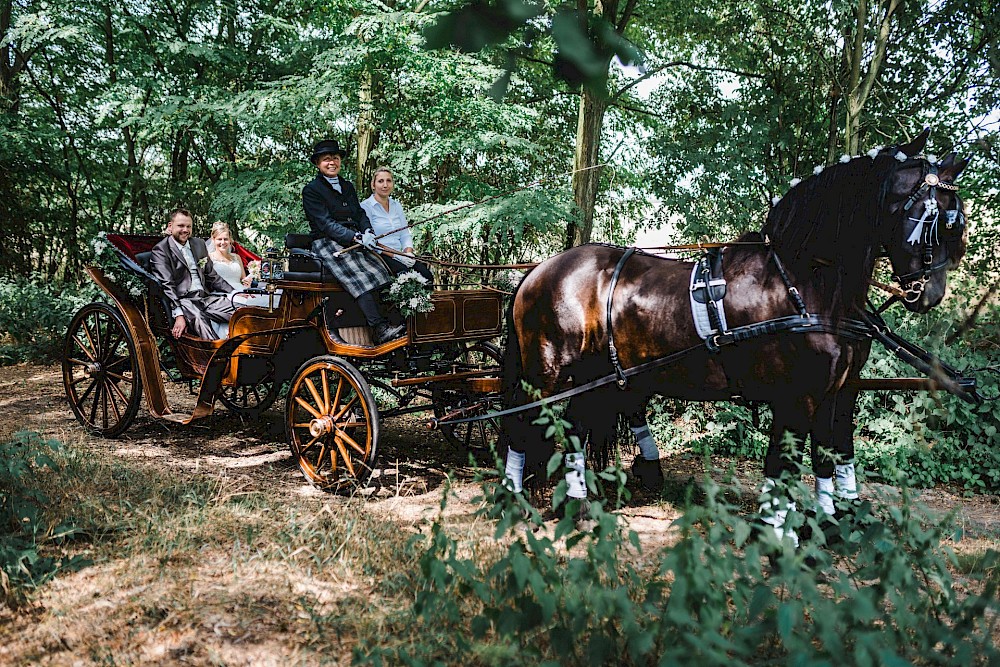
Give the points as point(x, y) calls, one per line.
point(227, 263)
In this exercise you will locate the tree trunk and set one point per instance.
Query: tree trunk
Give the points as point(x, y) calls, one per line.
point(585, 183)
point(366, 130)
point(859, 86)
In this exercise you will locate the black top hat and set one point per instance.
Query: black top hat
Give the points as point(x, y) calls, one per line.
point(324, 147)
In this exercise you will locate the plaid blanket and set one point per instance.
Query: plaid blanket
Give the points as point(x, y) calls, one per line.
point(359, 271)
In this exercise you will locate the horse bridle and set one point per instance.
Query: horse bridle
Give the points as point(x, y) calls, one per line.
point(926, 231)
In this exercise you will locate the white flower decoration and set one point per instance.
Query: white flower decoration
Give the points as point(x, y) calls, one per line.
point(795, 181)
point(775, 200)
point(901, 156)
point(818, 169)
point(932, 159)
point(844, 159)
point(873, 153)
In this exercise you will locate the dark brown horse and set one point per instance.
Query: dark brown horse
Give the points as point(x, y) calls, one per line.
point(827, 232)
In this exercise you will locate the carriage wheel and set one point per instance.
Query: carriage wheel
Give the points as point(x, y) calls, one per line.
point(478, 436)
point(101, 370)
point(332, 424)
point(250, 400)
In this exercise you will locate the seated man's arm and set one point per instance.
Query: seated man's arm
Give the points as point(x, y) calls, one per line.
point(159, 265)
point(319, 216)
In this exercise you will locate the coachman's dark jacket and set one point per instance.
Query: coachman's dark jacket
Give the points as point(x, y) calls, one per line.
point(332, 214)
point(334, 219)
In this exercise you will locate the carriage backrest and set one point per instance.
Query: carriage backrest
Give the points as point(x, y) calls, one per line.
point(134, 245)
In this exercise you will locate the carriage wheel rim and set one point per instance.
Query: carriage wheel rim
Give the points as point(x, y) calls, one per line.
point(331, 428)
point(100, 371)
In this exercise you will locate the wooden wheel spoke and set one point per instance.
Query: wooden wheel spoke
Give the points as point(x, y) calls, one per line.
point(97, 402)
point(114, 404)
point(347, 407)
point(112, 341)
point(336, 397)
point(309, 444)
point(98, 335)
point(322, 455)
point(326, 393)
point(83, 348)
point(344, 455)
point(315, 394)
point(120, 377)
point(120, 361)
point(73, 361)
point(350, 441)
point(117, 390)
point(308, 408)
point(83, 396)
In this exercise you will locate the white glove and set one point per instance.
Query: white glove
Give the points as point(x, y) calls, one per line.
point(406, 260)
point(368, 239)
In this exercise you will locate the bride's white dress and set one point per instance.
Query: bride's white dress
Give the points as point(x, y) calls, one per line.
point(231, 272)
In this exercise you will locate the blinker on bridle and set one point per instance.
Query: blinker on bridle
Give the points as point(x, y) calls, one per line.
point(926, 231)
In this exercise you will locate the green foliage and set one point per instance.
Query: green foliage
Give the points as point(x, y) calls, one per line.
point(935, 438)
point(34, 315)
point(24, 528)
point(885, 595)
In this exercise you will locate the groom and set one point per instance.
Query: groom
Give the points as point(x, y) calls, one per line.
point(199, 297)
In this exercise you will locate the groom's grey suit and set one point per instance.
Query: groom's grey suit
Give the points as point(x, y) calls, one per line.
point(199, 306)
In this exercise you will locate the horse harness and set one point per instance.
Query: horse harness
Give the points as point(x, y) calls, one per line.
point(870, 326)
point(926, 230)
point(708, 289)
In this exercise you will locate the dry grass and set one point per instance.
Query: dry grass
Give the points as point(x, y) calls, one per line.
point(209, 549)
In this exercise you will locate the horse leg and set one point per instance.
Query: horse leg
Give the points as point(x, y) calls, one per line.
point(833, 449)
point(789, 428)
point(646, 466)
point(843, 445)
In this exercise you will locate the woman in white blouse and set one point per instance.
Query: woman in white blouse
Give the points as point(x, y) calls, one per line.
point(386, 214)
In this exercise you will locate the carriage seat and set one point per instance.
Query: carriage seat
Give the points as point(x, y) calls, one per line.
point(303, 265)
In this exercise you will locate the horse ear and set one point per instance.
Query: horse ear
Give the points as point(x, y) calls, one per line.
point(948, 161)
point(949, 172)
point(917, 145)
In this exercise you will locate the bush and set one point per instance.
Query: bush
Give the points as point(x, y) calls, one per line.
point(881, 594)
point(34, 316)
point(24, 528)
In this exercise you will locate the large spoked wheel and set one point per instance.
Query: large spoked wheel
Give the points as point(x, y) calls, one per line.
point(101, 370)
point(479, 437)
point(332, 424)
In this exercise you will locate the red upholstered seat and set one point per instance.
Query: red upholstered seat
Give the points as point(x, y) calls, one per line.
point(133, 244)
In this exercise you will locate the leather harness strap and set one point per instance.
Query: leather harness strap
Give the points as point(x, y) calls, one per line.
point(619, 372)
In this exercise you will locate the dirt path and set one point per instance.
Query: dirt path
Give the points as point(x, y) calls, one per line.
point(218, 607)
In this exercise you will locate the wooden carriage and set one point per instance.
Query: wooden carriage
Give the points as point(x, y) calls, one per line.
point(306, 340)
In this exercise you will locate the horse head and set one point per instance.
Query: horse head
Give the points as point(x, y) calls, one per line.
point(923, 220)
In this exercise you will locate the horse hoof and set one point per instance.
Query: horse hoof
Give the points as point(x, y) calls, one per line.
point(649, 474)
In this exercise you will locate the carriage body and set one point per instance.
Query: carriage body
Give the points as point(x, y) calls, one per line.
point(309, 342)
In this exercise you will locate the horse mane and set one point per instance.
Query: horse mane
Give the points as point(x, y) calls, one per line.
point(825, 227)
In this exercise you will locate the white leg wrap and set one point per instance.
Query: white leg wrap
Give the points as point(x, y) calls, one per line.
point(576, 482)
point(774, 512)
point(647, 446)
point(515, 470)
point(824, 495)
point(847, 483)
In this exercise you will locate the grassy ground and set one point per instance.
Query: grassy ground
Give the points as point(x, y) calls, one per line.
point(208, 548)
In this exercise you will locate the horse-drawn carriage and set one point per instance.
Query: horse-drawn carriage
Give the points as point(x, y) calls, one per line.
point(308, 340)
